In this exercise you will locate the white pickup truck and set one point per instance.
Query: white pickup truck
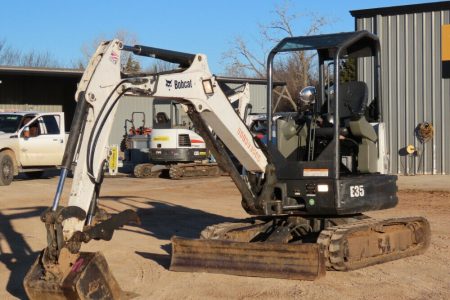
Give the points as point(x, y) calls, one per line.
point(30, 142)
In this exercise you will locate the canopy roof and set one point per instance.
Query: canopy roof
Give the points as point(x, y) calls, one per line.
point(356, 43)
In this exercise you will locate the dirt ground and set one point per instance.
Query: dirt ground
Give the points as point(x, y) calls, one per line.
point(139, 256)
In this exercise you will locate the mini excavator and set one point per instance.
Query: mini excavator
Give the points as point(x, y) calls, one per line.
point(306, 187)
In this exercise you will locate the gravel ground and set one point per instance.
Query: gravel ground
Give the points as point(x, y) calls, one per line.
point(139, 256)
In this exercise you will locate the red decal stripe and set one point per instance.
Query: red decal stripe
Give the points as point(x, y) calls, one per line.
point(197, 141)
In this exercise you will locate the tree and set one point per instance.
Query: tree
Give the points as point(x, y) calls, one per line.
point(348, 70)
point(132, 65)
point(10, 56)
point(294, 68)
point(129, 62)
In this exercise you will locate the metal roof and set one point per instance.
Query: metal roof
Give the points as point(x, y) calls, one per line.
point(402, 9)
point(356, 40)
point(60, 72)
point(322, 41)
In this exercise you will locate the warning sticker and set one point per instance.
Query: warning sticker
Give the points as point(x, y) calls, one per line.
point(315, 172)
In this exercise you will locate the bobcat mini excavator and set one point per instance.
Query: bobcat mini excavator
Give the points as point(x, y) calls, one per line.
point(307, 189)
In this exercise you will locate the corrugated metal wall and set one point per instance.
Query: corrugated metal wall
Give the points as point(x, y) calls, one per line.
point(413, 88)
point(258, 96)
point(31, 107)
point(38, 93)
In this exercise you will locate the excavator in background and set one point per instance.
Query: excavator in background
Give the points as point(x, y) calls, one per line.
point(306, 189)
point(170, 148)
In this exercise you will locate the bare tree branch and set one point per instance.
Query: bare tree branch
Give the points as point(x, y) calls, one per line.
point(294, 68)
point(127, 59)
point(10, 56)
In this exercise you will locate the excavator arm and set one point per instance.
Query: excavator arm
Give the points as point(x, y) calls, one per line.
point(100, 89)
point(103, 85)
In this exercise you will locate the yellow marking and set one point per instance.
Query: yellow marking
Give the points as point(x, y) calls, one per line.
point(113, 157)
point(446, 42)
point(315, 172)
point(161, 138)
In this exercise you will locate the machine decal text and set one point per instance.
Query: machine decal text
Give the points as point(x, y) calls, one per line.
point(248, 144)
point(357, 191)
point(183, 84)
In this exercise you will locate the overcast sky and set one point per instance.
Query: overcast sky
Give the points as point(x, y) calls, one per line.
point(197, 26)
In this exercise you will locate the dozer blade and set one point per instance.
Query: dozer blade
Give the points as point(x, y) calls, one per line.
point(289, 261)
point(89, 278)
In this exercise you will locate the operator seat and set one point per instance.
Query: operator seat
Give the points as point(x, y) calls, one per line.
point(353, 98)
point(162, 121)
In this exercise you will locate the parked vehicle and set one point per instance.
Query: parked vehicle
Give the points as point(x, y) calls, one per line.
point(30, 142)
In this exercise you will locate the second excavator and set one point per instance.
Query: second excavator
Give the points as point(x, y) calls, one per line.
point(306, 186)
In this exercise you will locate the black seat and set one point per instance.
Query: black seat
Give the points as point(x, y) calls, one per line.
point(162, 121)
point(353, 98)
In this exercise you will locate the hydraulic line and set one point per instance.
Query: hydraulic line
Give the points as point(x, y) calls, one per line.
point(97, 129)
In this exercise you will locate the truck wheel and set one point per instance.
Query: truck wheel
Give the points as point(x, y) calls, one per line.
point(6, 169)
point(34, 175)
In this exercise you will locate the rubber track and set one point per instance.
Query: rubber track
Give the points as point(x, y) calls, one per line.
point(193, 170)
point(333, 240)
point(141, 172)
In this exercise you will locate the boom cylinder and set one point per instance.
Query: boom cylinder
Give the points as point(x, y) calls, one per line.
point(78, 122)
point(181, 58)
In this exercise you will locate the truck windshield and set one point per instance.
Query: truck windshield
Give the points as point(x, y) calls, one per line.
point(9, 123)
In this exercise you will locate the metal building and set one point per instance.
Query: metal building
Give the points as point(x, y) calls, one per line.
point(39, 89)
point(414, 79)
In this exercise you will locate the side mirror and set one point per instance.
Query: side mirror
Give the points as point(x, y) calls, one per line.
point(308, 95)
point(26, 132)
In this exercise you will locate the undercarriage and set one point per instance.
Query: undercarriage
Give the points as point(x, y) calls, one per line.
point(177, 171)
point(304, 246)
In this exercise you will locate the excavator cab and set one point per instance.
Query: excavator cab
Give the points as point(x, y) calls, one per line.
point(325, 168)
point(329, 156)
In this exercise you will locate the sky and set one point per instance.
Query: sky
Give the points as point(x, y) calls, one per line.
point(195, 26)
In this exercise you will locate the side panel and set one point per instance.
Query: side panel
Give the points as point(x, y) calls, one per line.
point(351, 195)
point(365, 193)
point(177, 155)
point(306, 192)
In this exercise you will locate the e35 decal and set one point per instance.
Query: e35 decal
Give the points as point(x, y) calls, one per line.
point(356, 191)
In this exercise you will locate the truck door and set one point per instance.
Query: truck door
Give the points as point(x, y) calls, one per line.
point(45, 144)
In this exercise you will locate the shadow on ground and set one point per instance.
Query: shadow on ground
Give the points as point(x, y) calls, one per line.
point(22, 257)
point(163, 220)
point(47, 174)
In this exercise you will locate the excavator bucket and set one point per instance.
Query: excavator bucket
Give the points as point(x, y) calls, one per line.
point(274, 260)
point(89, 278)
